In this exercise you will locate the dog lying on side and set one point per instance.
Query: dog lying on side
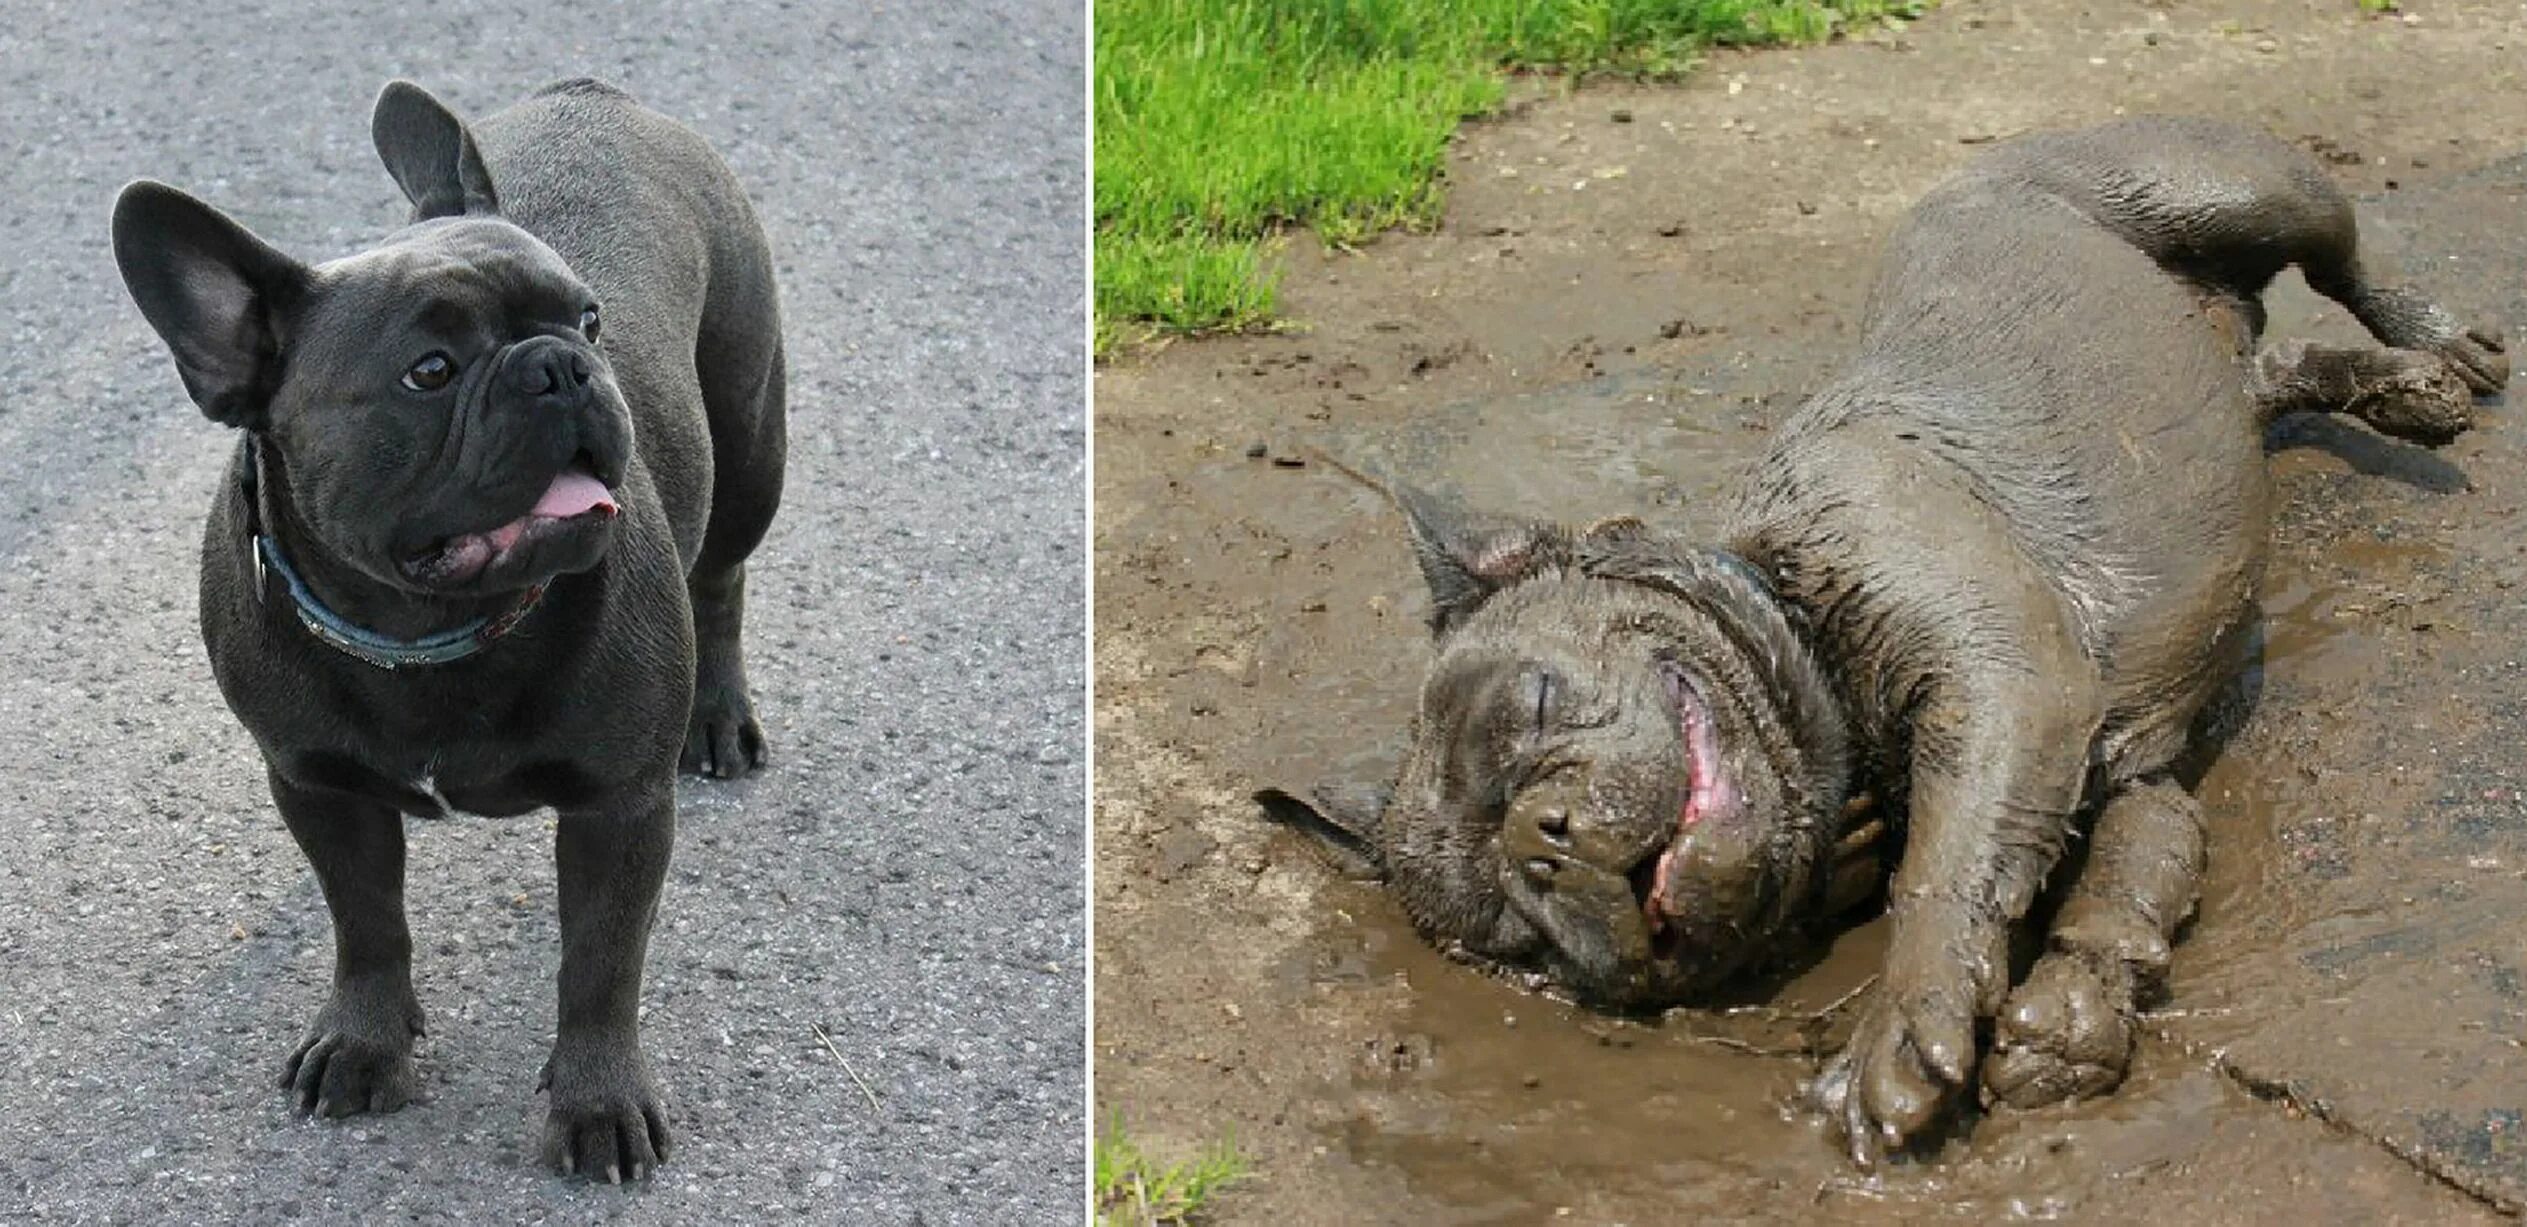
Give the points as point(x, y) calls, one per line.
point(1990, 574)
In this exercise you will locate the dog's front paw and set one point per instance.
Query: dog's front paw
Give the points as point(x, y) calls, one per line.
point(2067, 1033)
point(724, 741)
point(1906, 1061)
point(606, 1118)
point(357, 1056)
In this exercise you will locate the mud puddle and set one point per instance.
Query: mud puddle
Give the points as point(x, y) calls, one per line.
point(1485, 1103)
point(1498, 1105)
point(2342, 1043)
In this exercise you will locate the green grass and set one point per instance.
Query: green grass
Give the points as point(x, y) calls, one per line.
point(1135, 1191)
point(1221, 123)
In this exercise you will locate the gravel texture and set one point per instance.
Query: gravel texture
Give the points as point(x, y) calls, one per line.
point(906, 877)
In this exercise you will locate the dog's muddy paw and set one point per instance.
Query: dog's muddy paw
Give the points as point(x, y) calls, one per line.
point(724, 741)
point(2405, 319)
point(2481, 358)
point(357, 1057)
point(1889, 1086)
point(2067, 1033)
point(2425, 399)
point(606, 1121)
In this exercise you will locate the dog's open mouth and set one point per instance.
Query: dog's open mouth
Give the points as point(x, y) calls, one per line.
point(576, 499)
point(1711, 794)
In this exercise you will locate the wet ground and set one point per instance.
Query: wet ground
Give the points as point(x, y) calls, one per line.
point(1631, 287)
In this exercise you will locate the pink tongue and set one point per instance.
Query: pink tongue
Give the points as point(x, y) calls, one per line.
point(1705, 795)
point(573, 493)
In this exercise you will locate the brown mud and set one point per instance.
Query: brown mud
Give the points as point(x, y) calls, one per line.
point(1631, 286)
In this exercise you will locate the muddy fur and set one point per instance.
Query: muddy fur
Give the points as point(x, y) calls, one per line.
point(1990, 574)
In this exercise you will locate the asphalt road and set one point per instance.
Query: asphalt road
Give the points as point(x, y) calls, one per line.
point(907, 875)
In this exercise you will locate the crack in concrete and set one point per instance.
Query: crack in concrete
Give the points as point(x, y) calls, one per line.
point(2275, 1091)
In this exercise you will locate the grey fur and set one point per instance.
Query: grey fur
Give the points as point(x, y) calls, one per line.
point(670, 394)
point(2006, 557)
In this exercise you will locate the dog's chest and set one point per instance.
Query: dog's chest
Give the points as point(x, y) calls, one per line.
point(437, 794)
point(435, 803)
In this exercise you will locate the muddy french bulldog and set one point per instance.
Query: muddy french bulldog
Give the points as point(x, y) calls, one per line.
point(1990, 574)
point(483, 544)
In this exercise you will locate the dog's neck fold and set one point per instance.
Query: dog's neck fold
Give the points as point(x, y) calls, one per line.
point(395, 632)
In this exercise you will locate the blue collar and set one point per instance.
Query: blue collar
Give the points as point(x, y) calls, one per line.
point(340, 633)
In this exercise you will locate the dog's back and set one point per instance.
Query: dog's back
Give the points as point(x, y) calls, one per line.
point(2089, 390)
point(648, 213)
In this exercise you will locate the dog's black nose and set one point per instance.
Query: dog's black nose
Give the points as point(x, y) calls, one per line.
point(549, 372)
point(1547, 829)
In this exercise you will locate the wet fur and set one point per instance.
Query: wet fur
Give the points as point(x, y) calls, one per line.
point(2016, 542)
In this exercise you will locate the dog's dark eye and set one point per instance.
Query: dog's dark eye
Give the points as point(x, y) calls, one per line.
point(588, 322)
point(431, 373)
point(1544, 700)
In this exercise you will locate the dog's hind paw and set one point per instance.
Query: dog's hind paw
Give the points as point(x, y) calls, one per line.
point(724, 741)
point(2422, 397)
point(2480, 357)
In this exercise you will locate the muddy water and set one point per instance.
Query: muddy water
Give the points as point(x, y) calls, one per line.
point(1497, 1105)
point(2359, 959)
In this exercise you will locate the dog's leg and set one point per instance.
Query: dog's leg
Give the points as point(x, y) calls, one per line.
point(357, 1056)
point(606, 1117)
point(1999, 759)
point(2405, 393)
point(2067, 1032)
point(2314, 224)
point(725, 739)
point(747, 407)
point(2231, 207)
point(2404, 319)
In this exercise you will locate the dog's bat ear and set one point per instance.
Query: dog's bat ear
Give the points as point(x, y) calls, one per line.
point(1341, 822)
point(1464, 557)
point(430, 153)
point(215, 293)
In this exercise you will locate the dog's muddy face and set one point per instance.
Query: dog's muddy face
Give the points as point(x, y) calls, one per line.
point(1624, 777)
point(436, 412)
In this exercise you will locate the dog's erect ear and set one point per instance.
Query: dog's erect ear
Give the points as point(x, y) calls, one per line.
point(430, 153)
point(1342, 822)
point(216, 294)
point(1465, 558)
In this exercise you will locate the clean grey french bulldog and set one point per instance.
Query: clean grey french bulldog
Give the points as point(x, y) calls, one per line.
point(482, 546)
point(1988, 575)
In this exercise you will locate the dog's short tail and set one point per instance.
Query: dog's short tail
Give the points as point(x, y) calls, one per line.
point(585, 86)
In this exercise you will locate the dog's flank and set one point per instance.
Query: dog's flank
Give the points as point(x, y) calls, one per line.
point(1988, 575)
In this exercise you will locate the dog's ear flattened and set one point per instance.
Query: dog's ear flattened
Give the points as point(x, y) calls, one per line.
point(1340, 822)
point(213, 291)
point(431, 154)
